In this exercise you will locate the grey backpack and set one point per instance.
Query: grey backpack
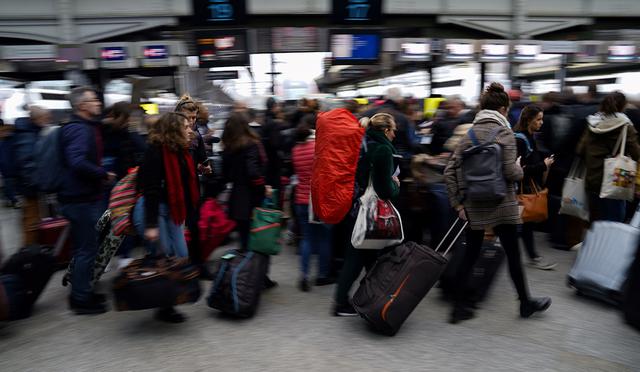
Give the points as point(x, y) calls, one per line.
point(482, 169)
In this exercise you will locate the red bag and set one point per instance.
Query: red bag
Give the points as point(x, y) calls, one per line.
point(56, 232)
point(338, 141)
point(214, 226)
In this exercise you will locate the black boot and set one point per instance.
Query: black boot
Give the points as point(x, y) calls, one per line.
point(534, 305)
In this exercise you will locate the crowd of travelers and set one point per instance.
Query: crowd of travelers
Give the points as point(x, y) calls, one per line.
point(271, 155)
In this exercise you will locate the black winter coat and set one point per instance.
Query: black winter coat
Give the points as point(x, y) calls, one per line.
point(245, 169)
point(532, 162)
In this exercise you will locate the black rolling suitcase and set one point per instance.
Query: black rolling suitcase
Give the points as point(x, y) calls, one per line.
point(34, 265)
point(631, 303)
point(238, 280)
point(156, 282)
point(482, 274)
point(397, 283)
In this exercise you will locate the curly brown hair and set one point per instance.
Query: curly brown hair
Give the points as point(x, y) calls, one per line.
point(169, 131)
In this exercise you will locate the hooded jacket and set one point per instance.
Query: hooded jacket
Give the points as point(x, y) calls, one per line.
point(598, 142)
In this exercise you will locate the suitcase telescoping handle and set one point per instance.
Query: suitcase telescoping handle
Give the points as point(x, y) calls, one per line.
point(454, 239)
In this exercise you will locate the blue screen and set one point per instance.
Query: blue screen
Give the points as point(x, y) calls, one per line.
point(365, 47)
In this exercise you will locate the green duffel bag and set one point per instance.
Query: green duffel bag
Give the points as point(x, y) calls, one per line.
point(265, 231)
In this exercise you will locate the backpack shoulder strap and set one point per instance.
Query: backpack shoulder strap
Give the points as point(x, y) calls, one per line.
point(524, 138)
point(473, 137)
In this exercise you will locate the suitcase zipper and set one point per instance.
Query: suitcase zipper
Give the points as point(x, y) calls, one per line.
point(392, 298)
point(265, 227)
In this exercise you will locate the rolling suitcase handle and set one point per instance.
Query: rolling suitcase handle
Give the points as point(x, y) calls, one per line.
point(455, 239)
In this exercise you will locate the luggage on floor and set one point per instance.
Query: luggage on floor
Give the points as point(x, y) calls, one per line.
point(34, 265)
point(156, 282)
point(109, 243)
point(214, 227)
point(482, 274)
point(631, 303)
point(56, 232)
point(603, 262)
point(398, 281)
point(238, 280)
point(14, 300)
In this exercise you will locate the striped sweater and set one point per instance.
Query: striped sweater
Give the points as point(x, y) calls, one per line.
point(303, 154)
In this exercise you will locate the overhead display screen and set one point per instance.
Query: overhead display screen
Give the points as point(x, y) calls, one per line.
point(219, 11)
point(415, 50)
point(459, 51)
point(526, 52)
point(355, 48)
point(622, 53)
point(494, 52)
point(588, 51)
point(222, 48)
point(155, 52)
point(111, 54)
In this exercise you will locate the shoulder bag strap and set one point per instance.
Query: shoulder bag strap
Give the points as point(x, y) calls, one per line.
point(621, 143)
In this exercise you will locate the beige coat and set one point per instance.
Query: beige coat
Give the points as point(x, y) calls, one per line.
point(485, 215)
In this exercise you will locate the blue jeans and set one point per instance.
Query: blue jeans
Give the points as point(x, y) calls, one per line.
point(82, 218)
point(172, 240)
point(316, 238)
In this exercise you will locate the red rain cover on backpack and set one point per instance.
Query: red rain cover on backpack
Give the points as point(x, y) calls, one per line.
point(338, 140)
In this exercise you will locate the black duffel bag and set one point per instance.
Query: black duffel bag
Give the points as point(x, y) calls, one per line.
point(156, 282)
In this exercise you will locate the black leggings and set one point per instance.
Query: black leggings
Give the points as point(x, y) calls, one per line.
point(508, 235)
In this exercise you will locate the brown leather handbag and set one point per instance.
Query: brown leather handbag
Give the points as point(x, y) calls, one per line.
point(533, 206)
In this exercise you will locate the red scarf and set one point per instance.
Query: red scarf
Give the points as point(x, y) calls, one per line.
point(175, 187)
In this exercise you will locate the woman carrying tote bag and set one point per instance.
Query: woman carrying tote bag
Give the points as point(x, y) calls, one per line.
point(605, 130)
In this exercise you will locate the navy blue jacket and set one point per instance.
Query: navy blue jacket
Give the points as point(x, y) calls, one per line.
point(25, 137)
point(83, 176)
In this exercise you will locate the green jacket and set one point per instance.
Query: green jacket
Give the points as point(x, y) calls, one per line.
point(379, 163)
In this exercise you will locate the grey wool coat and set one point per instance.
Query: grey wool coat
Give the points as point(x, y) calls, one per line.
point(486, 215)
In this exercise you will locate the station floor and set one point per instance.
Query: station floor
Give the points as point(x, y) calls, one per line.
point(293, 331)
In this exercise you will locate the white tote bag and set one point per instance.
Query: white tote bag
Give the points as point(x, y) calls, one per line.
point(619, 176)
point(574, 195)
point(378, 224)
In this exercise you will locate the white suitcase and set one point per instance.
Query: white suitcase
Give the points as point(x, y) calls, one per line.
point(604, 259)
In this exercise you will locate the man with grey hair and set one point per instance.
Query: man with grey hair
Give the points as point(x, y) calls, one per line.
point(81, 192)
point(27, 132)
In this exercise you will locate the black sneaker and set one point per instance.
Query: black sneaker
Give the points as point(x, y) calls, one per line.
point(87, 308)
point(460, 314)
point(268, 283)
point(170, 315)
point(534, 305)
point(304, 285)
point(344, 310)
point(325, 281)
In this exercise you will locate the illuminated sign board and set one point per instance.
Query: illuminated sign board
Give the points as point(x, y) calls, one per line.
point(222, 48)
point(112, 54)
point(492, 52)
point(219, 11)
point(415, 50)
point(459, 51)
point(355, 48)
point(622, 52)
point(526, 52)
point(155, 52)
point(357, 11)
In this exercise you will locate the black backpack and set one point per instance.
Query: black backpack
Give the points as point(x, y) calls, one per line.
point(482, 169)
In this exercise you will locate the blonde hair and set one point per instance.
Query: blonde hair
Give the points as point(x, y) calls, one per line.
point(379, 121)
point(186, 103)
